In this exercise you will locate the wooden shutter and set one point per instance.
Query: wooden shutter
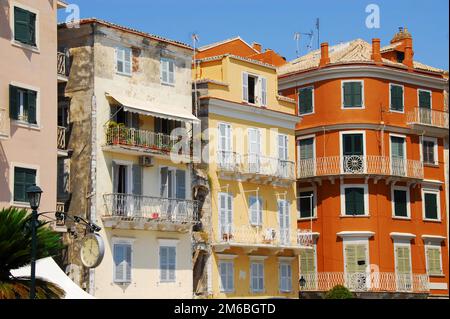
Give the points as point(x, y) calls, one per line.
point(21, 26)
point(434, 260)
point(263, 91)
point(403, 260)
point(306, 148)
point(424, 99)
point(245, 87)
point(431, 206)
point(348, 100)
point(397, 97)
point(307, 261)
point(137, 180)
point(13, 103)
point(164, 181)
point(171, 68)
point(282, 147)
point(397, 147)
point(127, 60)
point(353, 254)
point(31, 99)
point(354, 201)
point(180, 184)
point(305, 100)
point(128, 263)
point(118, 259)
point(164, 71)
point(356, 94)
point(171, 263)
point(255, 210)
point(353, 144)
point(32, 28)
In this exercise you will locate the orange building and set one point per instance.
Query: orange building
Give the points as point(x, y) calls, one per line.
point(370, 168)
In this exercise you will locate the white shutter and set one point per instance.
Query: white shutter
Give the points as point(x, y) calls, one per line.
point(122, 262)
point(282, 147)
point(164, 71)
point(120, 60)
point(263, 91)
point(127, 61)
point(255, 210)
point(245, 87)
point(171, 71)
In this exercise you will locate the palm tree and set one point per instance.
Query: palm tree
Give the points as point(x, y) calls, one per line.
point(15, 252)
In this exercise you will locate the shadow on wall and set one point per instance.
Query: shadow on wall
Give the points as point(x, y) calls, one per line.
point(5, 193)
point(5, 29)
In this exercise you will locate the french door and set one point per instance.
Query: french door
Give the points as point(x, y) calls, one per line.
point(284, 221)
point(353, 153)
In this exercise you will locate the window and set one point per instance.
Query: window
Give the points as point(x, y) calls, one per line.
point(434, 260)
point(431, 205)
point(356, 262)
point(226, 270)
point(225, 146)
point(400, 56)
point(22, 104)
point(403, 266)
point(396, 94)
point(424, 99)
point(23, 178)
point(257, 276)
point(123, 60)
point(254, 89)
point(306, 148)
point(122, 262)
point(307, 262)
point(306, 100)
point(173, 183)
point(354, 200)
point(285, 279)
point(254, 150)
point(398, 155)
point(284, 221)
point(167, 71)
point(400, 201)
point(306, 203)
point(167, 263)
point(225, 215)
point(283, 147)
point(255, 208)
point(429, 151)
point(24, 26)
point(353, 94)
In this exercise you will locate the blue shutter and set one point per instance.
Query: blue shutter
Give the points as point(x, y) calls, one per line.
point(181, 184)
point(137, 180)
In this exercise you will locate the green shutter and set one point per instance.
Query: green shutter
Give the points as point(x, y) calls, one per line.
point(21, 23)
point(307, 262)
point(356, 94)
point(13, 103)
point(397, 97)
point(353, 144)
point(400, 204)
point(32, 97)
point(23, 178)
point(424, 99)
point(32, 28)
point(306, 148)
point(348, 94)
point(431, 206)
point(305, 100)
point(354, 201)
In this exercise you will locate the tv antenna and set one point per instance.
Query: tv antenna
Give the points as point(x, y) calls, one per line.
point(195, 39)
point(297, 37)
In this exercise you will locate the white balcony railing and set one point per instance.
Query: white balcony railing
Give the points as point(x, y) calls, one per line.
point(252, 235)
point(61, 138)
point(256, 164)
point(362, 281)
point(4, 122)
point(154, 208)
point(359, 165)
point(424, 116)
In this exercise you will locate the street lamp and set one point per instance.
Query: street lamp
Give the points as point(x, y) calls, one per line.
point(302, 284)
point(34, 197)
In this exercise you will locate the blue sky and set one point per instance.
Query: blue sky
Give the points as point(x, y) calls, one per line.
point(273, 23)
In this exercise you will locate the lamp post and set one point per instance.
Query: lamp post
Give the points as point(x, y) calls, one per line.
point(34, 197)
point(302, 284)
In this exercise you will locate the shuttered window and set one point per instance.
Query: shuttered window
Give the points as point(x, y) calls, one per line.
point(400, 203)
point(306, 148)
point(307, 261)
point(431, 205)
point(355, 258)
point(255, 208)
point(353, 94)
point(354, 201)
point(23, 178)
point(434, 263)
point(283, 147)
point(285, 277)
point(263, 91)
point(22, 104)
point(306, 204)
point(225, 213)
point(167, 263)
point(257, 276)
point(428, 152)
point(425, 99)
point(396, 97)
point(403, 259)
point(123, 60)
point(305, 101)
point(167, 71)
point(245, 87)
point(226, 271)
point(24, 26)
point(122, 262)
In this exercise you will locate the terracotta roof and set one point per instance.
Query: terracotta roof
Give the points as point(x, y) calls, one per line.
point(356, 51)
point(130, 30)
point(390, 47)
point(219, 57)
point(212, 45)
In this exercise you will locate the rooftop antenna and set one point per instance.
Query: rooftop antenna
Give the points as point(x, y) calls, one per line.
point(195, 39)
point(318, 32)
point(297, 39)
point(297, 36)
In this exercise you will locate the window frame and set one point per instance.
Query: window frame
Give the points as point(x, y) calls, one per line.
point(22, 123)
point(260, 211)
point(312, 189)
point(363, 104)
point(434, 246)
point(19, 44)
point(174, 185)
point(260, 263)
point(312, 100)
point(168, 61)
point(406, 244)
point(366, 199)
point(258, 89)
point(306, 137)
point(122, 241)
point(403, 98)
point(123, 48)
point(285, 263)
point(436, 191)
point(435, 150)
point(167, 243)
point(408, 202)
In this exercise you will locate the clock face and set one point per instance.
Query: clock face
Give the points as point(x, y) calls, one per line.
point(92, 250)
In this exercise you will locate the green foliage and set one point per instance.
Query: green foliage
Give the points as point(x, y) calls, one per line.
point(339, 292)
point(15, 252)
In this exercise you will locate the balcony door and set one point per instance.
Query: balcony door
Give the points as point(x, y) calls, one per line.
point(225, 155)
point(403, 271)
point(225, 217)
point(307, 163)
point(398, 156)
point(284, 221)
point(353, 153)
point(283, 169)
point(254, 150)
point(127, 188)
point(173, 193)
point(425, 106)
point(356, 261)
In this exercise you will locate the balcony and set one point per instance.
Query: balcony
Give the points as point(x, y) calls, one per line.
point(4, 123)
point(126, 140)
point(255, 168)
point(62, 67)
point(429, 122)
point(144, 212)
point(367, 282)
point(360, 165)
point(62, 140)
point(251, 238)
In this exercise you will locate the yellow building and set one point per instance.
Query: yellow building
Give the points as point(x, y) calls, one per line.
point(249, 158)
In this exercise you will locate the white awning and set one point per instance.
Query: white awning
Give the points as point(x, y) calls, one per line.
point(146, 108)
point(49, 270)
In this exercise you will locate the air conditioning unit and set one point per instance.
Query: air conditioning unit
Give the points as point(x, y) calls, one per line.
point(146, 161)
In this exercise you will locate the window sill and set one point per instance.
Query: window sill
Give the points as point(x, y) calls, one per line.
point(124, 74)
point(437, 275)
point(307, 218)
point(122, 283)
point(432, 220)
point(430, 165)
point(303, 114)
point(167, 282)
point(353, 107)
point(20, 204)
point(396, 111)
point(24, 46)
point(168, 84)
point(354, 216)
point(27, 125)
point(401, 218)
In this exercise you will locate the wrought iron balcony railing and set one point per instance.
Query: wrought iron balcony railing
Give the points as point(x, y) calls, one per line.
point(154, 208)
point(61, 138)
point(61, 64)
point(359, 165)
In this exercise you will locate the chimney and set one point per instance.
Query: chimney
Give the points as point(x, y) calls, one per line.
point(257, 47)
point(409, 53)
point(376, 54)
point(324, 58)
